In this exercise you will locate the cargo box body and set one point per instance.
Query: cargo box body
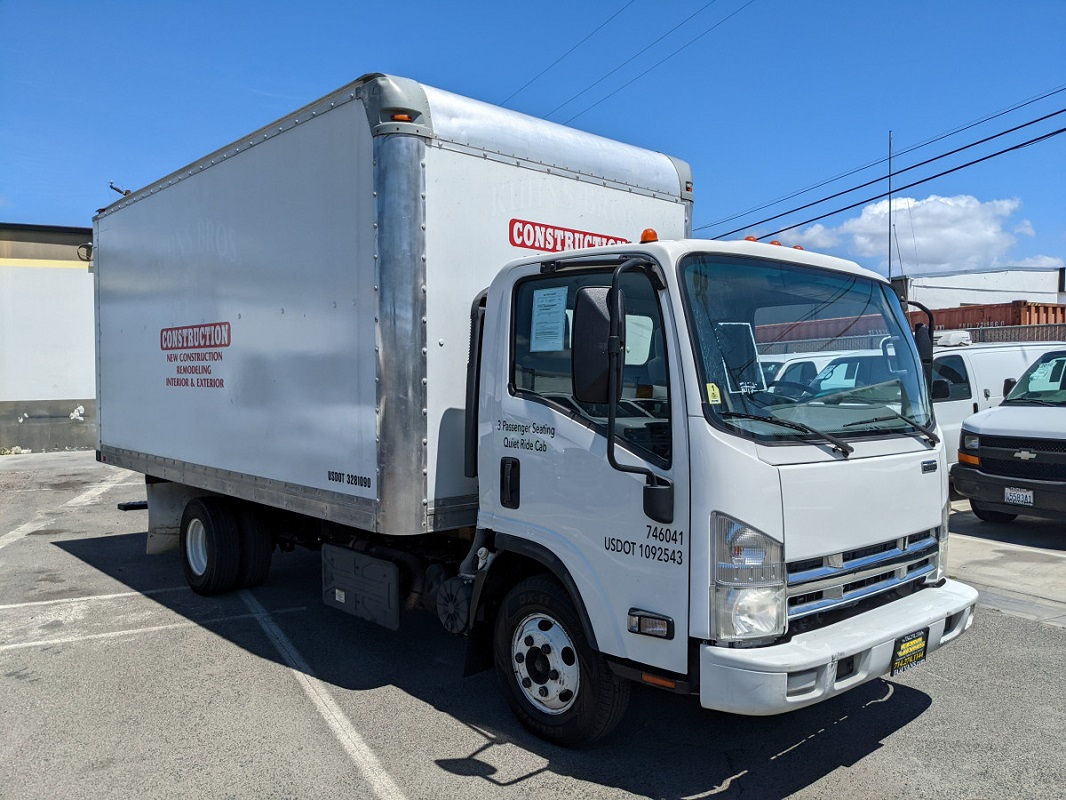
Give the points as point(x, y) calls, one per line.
point(287, 319)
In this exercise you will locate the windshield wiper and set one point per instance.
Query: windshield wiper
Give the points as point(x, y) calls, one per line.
point(839, 445)
point(1036, 400)
point(926, 432)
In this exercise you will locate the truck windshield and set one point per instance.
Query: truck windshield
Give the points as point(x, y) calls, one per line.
point(862, 376)
point(1043, 384)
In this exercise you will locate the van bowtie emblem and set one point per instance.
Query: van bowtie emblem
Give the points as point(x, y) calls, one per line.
point(1025, 455)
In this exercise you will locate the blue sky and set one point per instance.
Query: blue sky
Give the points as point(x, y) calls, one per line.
point(781, 95)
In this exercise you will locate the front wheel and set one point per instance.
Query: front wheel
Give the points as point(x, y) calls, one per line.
point(988, 515)
point(555, 683)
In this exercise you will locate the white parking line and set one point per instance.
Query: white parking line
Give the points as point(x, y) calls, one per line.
point(92, 597)
point(135, 631)
point(83, 499)
point(349, 738)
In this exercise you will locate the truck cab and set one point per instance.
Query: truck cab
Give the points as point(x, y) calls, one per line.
point(761, 549)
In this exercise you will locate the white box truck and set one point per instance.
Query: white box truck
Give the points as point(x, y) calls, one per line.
point(314, 337)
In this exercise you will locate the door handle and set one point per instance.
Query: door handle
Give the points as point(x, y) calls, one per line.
point(510, 482)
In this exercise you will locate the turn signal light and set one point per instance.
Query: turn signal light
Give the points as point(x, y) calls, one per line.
point(401, 117)
point(966, 458)
point(649, 235)
point(648, 623)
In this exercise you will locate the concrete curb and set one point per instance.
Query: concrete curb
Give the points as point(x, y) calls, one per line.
point(1049, 612)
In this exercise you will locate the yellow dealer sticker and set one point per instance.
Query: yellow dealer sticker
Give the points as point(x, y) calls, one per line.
point(714, 397)
point(909, 651)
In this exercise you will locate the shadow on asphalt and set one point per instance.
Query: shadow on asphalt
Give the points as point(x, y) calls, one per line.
point(666, 747)
point(1028, 531)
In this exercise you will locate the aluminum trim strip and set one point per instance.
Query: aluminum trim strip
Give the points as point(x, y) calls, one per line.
point(400, 182)
point(358, 512)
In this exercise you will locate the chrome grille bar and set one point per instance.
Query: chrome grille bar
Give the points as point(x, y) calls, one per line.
point(841, 581)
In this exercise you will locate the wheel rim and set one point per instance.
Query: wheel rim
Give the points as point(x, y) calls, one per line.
point(196, 546)
point(544, 662)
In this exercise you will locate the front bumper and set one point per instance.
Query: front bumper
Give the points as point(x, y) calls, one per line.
point(801, 672)
point(1049, 497)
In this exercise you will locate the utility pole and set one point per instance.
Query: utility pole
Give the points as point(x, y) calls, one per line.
point(890, 205)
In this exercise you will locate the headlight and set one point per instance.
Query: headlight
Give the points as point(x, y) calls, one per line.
point(750, 599)
point(970, 441)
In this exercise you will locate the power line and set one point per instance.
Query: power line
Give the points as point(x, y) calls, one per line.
point(662, 61)
point(883, 177)
point(917, 183)
point(911, 149)
point(595, 30)
point(639, 53)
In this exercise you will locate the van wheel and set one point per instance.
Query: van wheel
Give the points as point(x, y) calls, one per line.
point(210, 545)
point(555, 683)
point(988, 515)
point(256, 548)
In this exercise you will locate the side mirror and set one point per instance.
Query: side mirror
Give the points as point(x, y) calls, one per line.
point(924, 341)
point(1008, 384)
point(941, 389)
point(590, 361)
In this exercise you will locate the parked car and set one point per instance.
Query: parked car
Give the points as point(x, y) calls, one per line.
point(1012, 458)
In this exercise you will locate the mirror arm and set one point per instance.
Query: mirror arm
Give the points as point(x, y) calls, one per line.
point(658, 491)
point(616, 360)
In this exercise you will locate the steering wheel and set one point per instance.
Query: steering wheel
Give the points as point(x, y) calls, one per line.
point(803, 388)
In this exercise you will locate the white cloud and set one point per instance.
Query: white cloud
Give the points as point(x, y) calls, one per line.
point(1038, 262)
point(1025, 228)
point(816, 237)
point(937, 234)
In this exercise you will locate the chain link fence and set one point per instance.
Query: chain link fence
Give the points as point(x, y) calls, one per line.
point(872, 341)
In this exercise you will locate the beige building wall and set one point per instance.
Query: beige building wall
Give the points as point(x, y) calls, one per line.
point(47, 338)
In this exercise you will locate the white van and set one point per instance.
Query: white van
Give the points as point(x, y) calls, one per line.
point(1012, 458)
point(787, 373)
point(975, 376)
point(972, 375)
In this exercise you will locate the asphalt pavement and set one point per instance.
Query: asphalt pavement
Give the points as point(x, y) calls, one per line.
point(118, 681)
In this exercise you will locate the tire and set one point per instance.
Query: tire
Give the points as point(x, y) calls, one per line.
point(535, 627)
point(210, 545)
point(988, 515)
point(256, 548)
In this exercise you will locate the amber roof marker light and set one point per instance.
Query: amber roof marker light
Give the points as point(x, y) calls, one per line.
point(648, 235)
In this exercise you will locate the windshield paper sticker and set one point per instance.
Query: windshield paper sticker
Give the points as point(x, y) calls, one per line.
point(549, 320)
point(740, 357)
point(714, 395)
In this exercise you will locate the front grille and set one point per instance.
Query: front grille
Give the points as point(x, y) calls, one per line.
point(1024, 469)
point(1036, 445)
point(816, 585)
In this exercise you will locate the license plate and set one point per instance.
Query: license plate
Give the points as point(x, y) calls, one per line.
point(909, 651)
point(1018, 497)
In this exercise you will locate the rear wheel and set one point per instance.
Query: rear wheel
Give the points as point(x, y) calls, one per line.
point(988, 515)
point(256, 548)
point(210, 545)
point(556, 684)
